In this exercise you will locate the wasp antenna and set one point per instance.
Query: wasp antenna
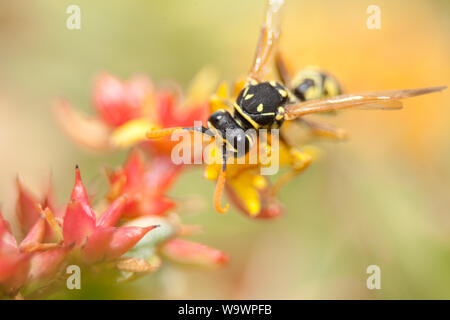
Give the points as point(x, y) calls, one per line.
point(159, 133)
point(220, 185)
point(218, 192)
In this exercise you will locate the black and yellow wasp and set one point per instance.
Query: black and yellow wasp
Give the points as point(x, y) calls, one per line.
point(268, 104)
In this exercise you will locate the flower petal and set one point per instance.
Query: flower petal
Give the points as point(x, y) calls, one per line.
point(170, 115)
point(254, 198)
point(144, 184)
point(202, 86)
point(79, 191)
point(97, 246)
point(131, 132)
point(79, 224)
point(35, 236)
point(160, 175)
point(138, 265)
point(127, 178)
point(194, 253)
point(8, 243)
point(243, 191)
point(13, 272)
point(117, 101)
point(26, 210)
point(112, 215)
point(86, 131)
point(13, 263)
point(124, 239)
point(8, 264)
point(148, 205)
point(45, 264)
point(134, 168)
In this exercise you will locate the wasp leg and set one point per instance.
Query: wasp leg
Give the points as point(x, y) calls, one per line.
point(301, 161)
point(324, 130)
point(220, 185)
point(159, 133)
point(202, 130)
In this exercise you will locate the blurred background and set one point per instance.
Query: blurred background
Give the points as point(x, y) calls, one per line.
point(382, 198)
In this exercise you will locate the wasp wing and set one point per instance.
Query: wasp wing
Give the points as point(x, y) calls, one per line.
point(385, 100)
point(267, 38)
point(284, 73)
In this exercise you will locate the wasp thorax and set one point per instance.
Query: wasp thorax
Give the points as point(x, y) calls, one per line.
point(262, 104)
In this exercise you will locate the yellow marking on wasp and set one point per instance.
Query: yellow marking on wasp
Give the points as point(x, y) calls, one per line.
point(246, 116)
point(230, 145)
point(250, 139)
point(279, 117)
point(253, 82)
point(283, 93)
point(216, 132)
point(217, 135)
point(249, 96)
point(239, 122)
point(260, 107)
point(331, 86)
point(280, 110)
point(273, 83)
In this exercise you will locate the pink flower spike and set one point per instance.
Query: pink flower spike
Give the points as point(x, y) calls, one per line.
point(112, 215)
point(8, 265)
point(80, 220)
point(13, 264)
point(79, 224)
point(44, 264)
point(8, 243)
point(79, 191)
point(35, 236)
point(98, 243)
point(13, 272)
point(124, 239)
point(194, 253)
point(26, 210)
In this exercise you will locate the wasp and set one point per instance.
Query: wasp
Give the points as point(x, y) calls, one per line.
point(268, 104)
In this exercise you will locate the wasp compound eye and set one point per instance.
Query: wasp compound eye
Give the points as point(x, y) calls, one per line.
point(228, 130)
point(220, 121)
